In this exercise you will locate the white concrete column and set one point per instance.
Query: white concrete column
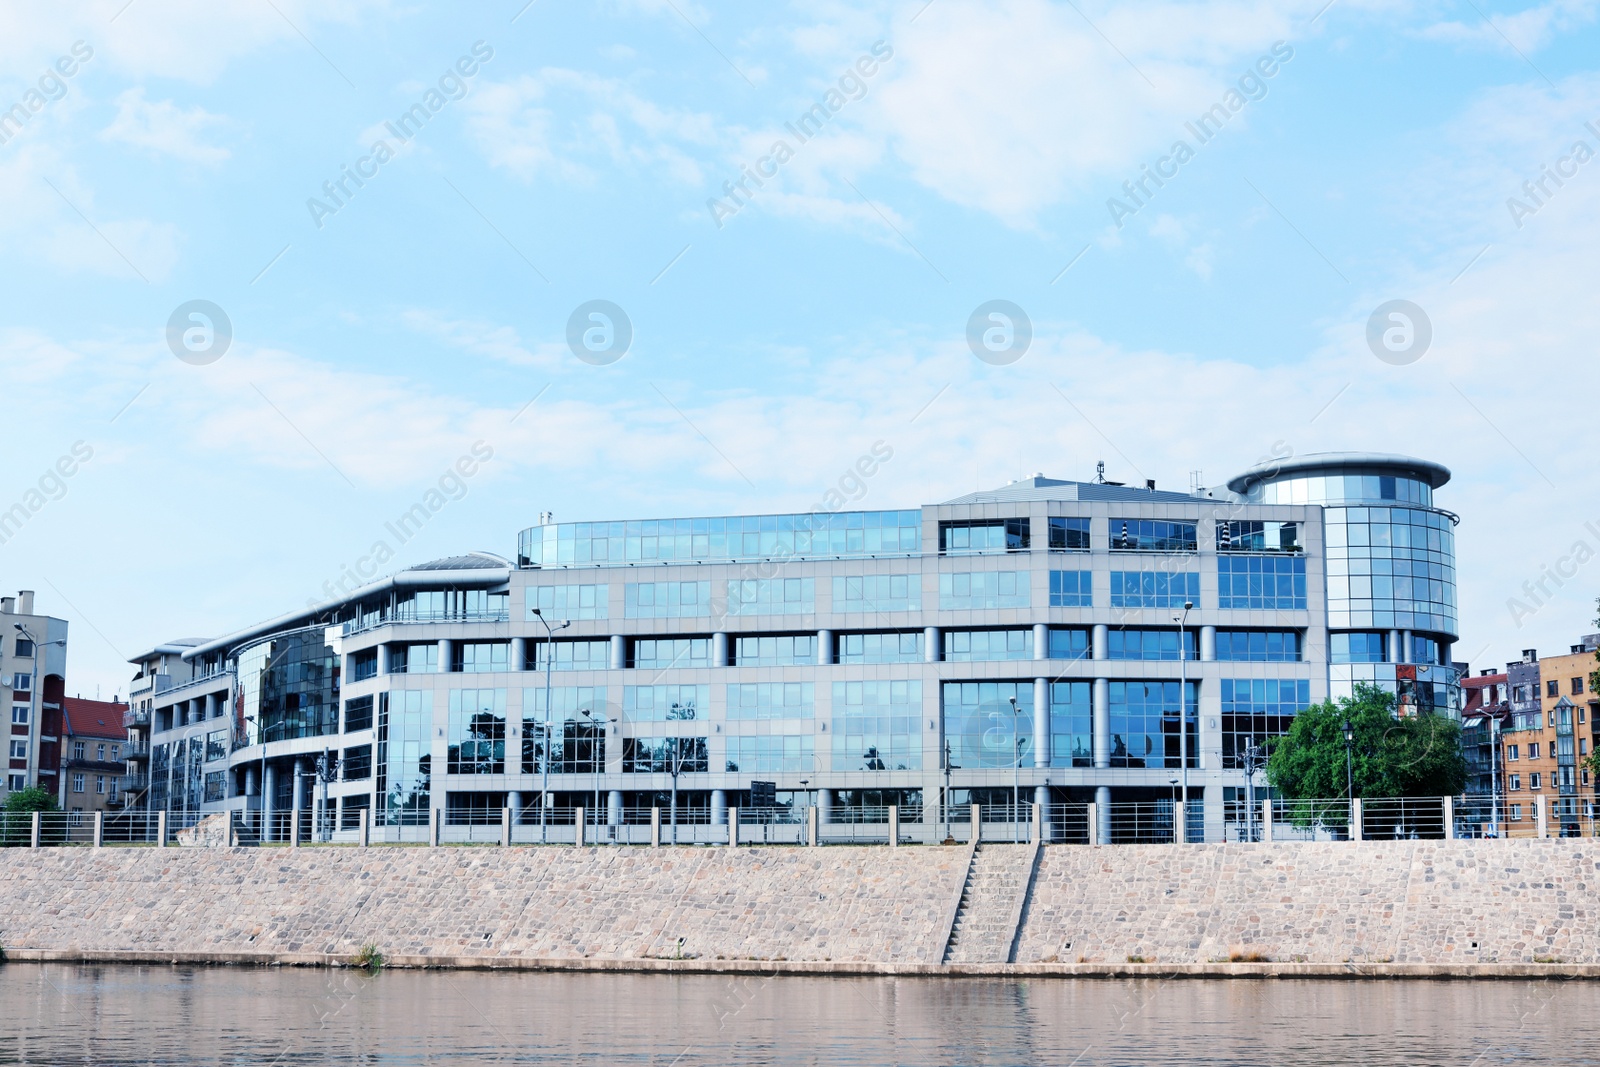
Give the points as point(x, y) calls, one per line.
point(1357, 819)
point(519, 654)
point(1449, 818)
point(719, 649)
point(825, 805)
point(269, 796)
point(213, 702)
point(813, 828)
point(930, 644)
point(364, 828)
point(1405, 647)
point(1208, 644)
point(1041, 722)
point(976, 817)
point(619, 652)
point(1092, 815)
point(733, 827)
point(719, 807)
point(99, 829)
point(35, 823)
point(824, 647)
point(894, 826)
point(1099, 642)
point(161, 828)
point(1180, 828)
point(516, 802)
point(1101, 707)
point(505, 826)
point(614, 808)
point(1394, 647)
point(250, 784)
point(446, 653)
point(1041, 811)
point(655, 827)
point(1541, 815)
point(1041, 641)
point(433, 827)
point(1102, 815)
point(383, 659)
point(1266, 822)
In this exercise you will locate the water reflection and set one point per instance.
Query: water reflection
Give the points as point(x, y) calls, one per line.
point(172, 1015)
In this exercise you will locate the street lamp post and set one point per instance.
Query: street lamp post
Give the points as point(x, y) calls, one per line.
point(544, 789)
point(948, 767)
point(677, 713)
point(1349, 764)
point(1183, 709)
point(596, 761)
point(1016, 770)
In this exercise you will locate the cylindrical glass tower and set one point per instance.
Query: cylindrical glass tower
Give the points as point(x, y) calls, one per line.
point(1391, 569)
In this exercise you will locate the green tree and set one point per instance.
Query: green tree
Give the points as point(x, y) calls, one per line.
point(1390, 757)
point(16, 825)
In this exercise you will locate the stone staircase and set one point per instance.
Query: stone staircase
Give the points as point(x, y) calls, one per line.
point(991, 904)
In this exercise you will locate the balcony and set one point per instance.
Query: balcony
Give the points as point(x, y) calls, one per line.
point(137, 751)
point(137, 782)
point(136, 717)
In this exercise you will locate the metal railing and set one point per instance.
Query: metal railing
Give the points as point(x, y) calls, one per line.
point(1273, 820)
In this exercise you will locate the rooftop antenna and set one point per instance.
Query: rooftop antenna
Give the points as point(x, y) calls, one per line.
point(1196, 485)
point(1100, 473)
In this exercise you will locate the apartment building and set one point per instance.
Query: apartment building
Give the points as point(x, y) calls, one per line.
point(33, 668)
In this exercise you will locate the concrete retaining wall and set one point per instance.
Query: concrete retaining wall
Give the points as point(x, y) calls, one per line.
point(1402, 907)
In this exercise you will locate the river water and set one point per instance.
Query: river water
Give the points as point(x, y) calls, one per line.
point(79, 1014)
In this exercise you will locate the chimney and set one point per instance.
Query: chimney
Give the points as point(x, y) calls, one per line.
point(8, 605)
point(25, 602)
point(1576, 649)
point(1150, 484)
point(1530, 655)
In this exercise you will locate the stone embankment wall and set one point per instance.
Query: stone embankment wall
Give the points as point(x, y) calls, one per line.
point(1458, 904)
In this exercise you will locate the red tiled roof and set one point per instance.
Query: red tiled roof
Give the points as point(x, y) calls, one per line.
point(94, 718)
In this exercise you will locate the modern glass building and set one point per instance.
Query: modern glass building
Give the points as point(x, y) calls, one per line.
point(1074, 640)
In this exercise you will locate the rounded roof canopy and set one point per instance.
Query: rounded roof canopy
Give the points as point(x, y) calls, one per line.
point(1423, 470)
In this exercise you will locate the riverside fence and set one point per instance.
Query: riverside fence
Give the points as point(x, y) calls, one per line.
point(1142, 822)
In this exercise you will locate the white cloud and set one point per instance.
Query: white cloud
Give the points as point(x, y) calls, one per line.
point(603, 121)
point(1526, 31)
point(164, 127)
point(1010, 106)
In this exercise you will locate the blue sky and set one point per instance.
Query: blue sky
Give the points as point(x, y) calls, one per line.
point(582, 159)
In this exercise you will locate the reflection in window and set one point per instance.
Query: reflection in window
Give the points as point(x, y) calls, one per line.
point(1149, 644)
point(878, 592)
point(965, 646)
point(1069, 534)
point(977, 590)
point(992, 535)
point(1261, 582)
point(1257, 709)
point(880, 647)
point(877, 725)
point(1144, 724)
point(770, 700)
point(1153, 535)
point(1154, 589)
point(1071, 725)
point(775, 650)
point(1258, 537)
point(1068, 643)
point(770, 753)
point(477, 738)
point(1259, 646)
point(665, 653)
point(1366, 647)
point(660, 755)
point(1071, 589)
point(980, 727)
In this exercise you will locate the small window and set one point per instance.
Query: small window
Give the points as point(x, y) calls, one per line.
point(22, 683)
point(24, 648)
point(1516, 813)
point(1516, 782)
point(1069, 534)
point(1511, 752)
point(1533, 780)
point(19, 750)
point(17, 782)
point(100, 753)
point(1552, 688)
point(78, 749)
point(100, 784)
point(1533, 750)
point(1583, 746)
point(1577, 687)
point(77, 783)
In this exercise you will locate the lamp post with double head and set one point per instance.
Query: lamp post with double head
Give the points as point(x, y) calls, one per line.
point(549, 662)
point(597, 762)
